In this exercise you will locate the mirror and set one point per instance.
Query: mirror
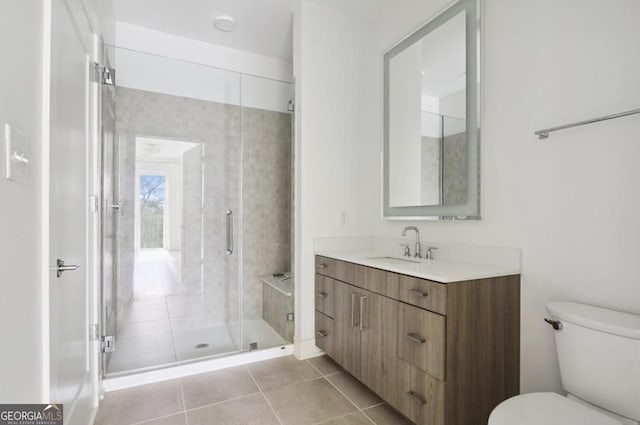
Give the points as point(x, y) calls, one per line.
point(431, 119)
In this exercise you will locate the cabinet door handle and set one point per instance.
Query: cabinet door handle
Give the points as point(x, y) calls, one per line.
point(417, 398)
point(362, 300)
point(321, 294)
point(419, 293)
point(321, 333)
point(415, 338)
point(353, 310)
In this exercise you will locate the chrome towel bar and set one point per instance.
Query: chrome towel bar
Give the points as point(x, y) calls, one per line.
point(543, 134)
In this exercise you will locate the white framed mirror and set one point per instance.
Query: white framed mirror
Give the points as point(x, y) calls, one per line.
point(431, 149)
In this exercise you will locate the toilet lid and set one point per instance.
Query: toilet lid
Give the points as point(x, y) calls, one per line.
point(546, 409)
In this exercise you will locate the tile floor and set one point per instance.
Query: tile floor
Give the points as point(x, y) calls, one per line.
point(282, 391)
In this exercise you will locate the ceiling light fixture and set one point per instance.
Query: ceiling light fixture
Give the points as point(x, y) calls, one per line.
point(224, 23)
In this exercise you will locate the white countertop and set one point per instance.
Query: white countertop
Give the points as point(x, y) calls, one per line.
point(438, 270)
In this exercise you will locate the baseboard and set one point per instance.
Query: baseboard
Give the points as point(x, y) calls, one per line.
point(202, 366)
point(306, 349)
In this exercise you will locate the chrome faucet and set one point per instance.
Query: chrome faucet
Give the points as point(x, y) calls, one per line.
point(418, 253)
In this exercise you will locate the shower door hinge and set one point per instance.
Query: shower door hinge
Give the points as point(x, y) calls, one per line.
point(103, 75)
point(108, 345)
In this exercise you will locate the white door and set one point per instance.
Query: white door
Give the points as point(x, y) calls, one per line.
point(70, 362)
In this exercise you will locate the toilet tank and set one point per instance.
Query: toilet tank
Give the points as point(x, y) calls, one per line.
point(599, 355)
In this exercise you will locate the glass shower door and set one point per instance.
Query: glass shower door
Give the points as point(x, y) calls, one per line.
point(178, 287)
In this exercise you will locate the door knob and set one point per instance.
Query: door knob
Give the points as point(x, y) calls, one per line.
point(61, 267)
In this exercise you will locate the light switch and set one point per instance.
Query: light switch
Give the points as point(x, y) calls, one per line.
point(16, 155)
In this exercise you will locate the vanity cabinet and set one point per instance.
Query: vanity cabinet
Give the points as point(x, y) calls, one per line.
point(440, 353)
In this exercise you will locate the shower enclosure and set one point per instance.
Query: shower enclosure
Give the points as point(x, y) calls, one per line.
point(196, 213)
point(443, 152)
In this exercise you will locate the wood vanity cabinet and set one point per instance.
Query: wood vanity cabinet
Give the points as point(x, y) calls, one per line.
point(441, 354)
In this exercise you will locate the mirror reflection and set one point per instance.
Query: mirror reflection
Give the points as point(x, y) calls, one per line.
point(427, 123)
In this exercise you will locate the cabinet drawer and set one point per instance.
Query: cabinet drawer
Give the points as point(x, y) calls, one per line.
point(421, 340)
point(375, 280)
point(421, 397)
point(325, 295)
point(325, 334)
point(324, 266)
point(337, 269)
point(423, 293)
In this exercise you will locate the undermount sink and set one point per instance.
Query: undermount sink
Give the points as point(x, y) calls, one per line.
point(394, 260)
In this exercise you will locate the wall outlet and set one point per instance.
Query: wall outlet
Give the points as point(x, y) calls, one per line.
point(289, 317)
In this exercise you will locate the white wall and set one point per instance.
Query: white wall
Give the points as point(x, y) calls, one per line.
point(162, 44)
point(454, 104)
point(164, 63)
point(329, 123)
point(569, 202)
point(21, 302)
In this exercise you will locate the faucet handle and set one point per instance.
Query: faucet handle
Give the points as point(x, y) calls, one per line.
point(407, 250)
point(430, 250)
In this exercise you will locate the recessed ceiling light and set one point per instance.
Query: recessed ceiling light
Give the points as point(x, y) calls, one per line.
point(224, 23)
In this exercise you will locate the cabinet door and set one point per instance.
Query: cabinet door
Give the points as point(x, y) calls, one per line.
point(347, 328)
point(379, 345)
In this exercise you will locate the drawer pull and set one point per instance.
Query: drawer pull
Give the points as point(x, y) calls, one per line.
point(419, 293)
point(321, 333)
point(415, 338)
point(417, 398)
point(321, 266)
point(321, 295)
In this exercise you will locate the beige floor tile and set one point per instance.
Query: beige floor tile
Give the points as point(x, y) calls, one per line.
point(355, 391)
point(209, 388)
point(250, 410)
point(308, 402)
point(179, 419)
point(352, 419)
point(276, 373)
point(386, 415)
point(325, 365)
point(129, 406)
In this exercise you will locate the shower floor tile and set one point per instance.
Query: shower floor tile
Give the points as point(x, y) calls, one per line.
point(159, 342)
point(260, 332)
point(218, 340)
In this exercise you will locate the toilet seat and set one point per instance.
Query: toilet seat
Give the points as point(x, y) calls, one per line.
point(546, 409)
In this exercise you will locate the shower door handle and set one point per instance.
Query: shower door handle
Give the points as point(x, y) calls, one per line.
point(229, 232)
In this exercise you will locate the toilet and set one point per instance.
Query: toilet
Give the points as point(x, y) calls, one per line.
point(599, 356)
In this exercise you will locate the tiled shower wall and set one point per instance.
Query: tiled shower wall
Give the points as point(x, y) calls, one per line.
point(266, 180)
point(454, 183)
point(239, 143)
